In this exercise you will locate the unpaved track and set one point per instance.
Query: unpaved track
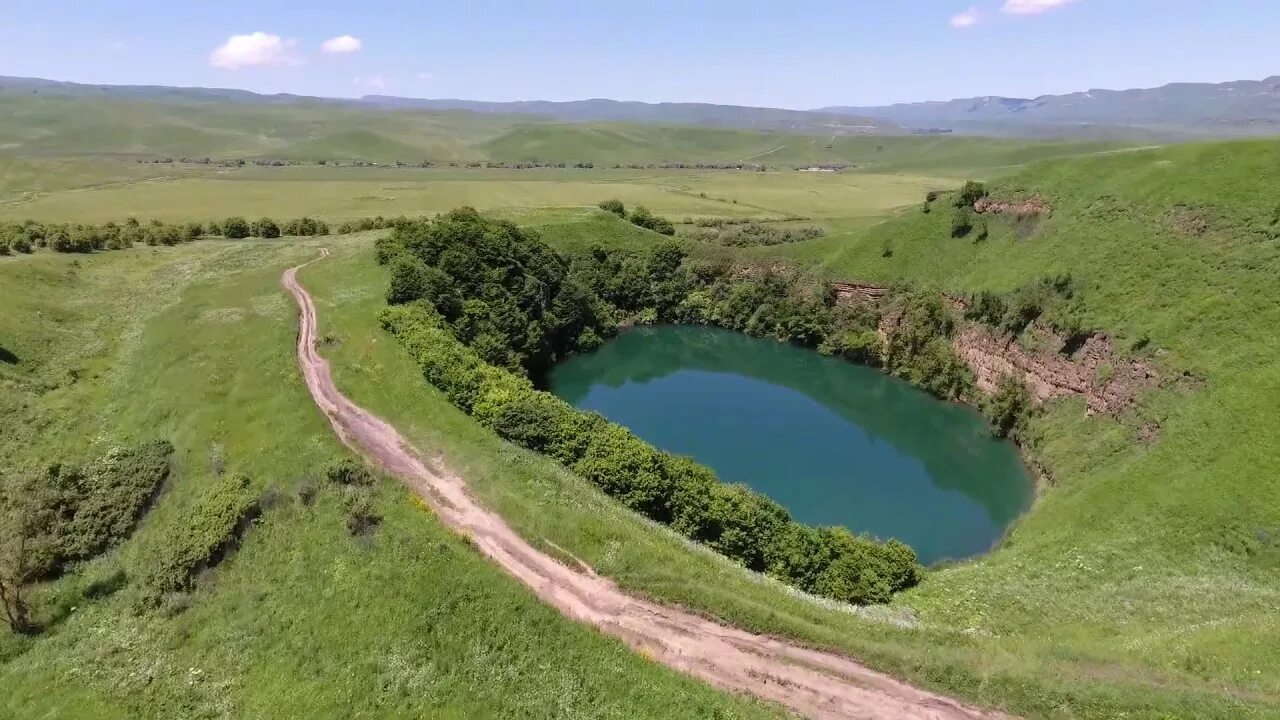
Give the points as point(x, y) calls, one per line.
point(811, 683)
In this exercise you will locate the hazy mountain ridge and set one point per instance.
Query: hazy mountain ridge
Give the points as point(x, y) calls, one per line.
point(738, 117)
point(1242, 107)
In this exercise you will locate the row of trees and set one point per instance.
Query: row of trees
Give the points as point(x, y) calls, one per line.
point(28, 236)
point(732, 519)
point(471, 164)
point(640, 216)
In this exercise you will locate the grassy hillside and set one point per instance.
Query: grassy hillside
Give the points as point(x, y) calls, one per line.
point(629, 143)
point(39, 125)
point(195, 344)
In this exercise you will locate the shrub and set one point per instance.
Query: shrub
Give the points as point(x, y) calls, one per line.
point(212, 526)
point(348, 472)
point(362, 514)
point(235, 228)
point(961, 222)
point(265, 228)
point(82, 511)
point(1008, 408)
point(614, 206)
point(971, 193)
point(645, 219)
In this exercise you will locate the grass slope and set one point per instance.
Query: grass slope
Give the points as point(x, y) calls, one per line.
point(43, 125)
point(628, 143)
point(195, 344)
point(344, 193)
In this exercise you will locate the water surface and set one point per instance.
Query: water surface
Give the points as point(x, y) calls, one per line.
point(833, 442)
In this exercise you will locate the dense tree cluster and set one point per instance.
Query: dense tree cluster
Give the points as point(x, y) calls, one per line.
point(737, 522)
point(67, 513)
point(754, 234)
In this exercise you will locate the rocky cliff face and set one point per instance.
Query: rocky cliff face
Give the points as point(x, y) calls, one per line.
point(1108, 383)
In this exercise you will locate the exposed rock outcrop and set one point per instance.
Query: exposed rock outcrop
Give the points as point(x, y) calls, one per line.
point(1109, 384)
point(859, 292)
point(1022, 208)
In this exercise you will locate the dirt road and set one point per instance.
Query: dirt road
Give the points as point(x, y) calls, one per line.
point(813, 684)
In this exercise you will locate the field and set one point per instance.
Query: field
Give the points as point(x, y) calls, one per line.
point(344, 193)
point(1142, 584)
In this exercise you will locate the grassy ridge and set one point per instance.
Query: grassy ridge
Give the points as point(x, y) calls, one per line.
point(196, 344)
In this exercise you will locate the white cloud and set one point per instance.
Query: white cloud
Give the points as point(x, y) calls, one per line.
point(1032, 7)
point(254, 50)
point(966, 19)
point(341, 44)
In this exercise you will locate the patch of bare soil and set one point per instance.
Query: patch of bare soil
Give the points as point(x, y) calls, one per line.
point(1021, 208)
point(812, 683)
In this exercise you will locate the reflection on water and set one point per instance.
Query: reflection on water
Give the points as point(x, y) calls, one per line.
point(835, 443)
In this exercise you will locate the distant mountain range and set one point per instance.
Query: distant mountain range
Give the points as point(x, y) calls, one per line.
point(1244, 107)
point(1176, 111)
point(735, 117)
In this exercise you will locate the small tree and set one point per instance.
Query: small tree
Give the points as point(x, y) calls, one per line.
point(971, 193)
point(235, 228)
point(18, 531)
point(265, 228)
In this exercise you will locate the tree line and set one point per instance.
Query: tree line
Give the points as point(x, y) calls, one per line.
point(468, 164)
point(29, 235)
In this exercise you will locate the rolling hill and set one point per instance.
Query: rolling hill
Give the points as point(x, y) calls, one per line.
point(1177, 110)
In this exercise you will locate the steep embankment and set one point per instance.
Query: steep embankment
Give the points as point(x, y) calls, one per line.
point(815, 684)
point(1159, 549)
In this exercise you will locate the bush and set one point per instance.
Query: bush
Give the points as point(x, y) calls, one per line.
point(961, 222)
point(82, 511)
point(235, 228)
point(1008, 408)
point(212, 527)
point(645, 219)
point(614, 206)
point(971, 193)
point(265, 228)
point(304, 227)
point(348, 472)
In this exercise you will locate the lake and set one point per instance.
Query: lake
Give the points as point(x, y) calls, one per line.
point(833, 442)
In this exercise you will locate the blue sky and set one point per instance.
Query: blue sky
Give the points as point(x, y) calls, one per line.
point(797, 54)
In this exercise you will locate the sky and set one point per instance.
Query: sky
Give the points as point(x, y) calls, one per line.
point(796, 54)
